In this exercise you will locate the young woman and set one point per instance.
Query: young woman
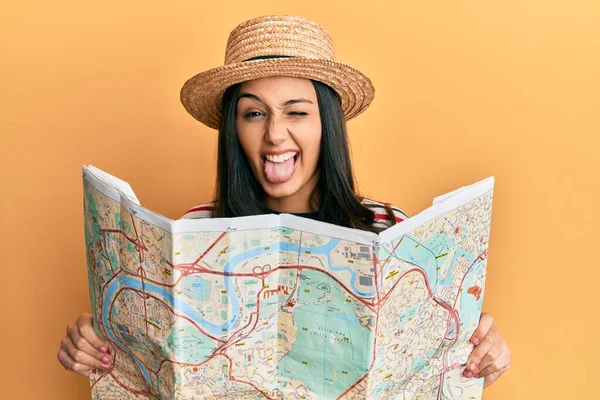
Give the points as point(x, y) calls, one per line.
point(280, 104)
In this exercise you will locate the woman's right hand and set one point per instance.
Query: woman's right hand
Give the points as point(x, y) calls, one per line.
point(82, 350)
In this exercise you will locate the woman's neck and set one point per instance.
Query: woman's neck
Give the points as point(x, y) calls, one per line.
point(288, 205)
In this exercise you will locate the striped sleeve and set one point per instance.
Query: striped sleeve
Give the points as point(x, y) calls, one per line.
point(382, 216)
point(200, 211)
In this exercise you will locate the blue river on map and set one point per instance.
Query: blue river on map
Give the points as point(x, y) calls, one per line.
point(406, 251)
point(126, 281)
point(425, 259)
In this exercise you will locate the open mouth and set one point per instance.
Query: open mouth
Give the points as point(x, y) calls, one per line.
point(281, 167)
point(280, 157)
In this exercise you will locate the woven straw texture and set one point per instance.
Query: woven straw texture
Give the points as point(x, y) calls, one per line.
point(308, 51)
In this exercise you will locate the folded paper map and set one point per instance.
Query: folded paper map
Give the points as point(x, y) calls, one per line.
point(284, 307)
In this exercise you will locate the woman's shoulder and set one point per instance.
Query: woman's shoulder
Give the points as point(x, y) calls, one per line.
point(386, 214)
point(204, 210)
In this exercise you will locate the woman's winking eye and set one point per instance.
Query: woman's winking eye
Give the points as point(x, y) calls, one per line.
point(253, 114)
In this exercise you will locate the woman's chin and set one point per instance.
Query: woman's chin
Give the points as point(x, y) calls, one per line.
point(280, 190)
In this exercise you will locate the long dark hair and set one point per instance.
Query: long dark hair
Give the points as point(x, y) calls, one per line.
point(238, 192)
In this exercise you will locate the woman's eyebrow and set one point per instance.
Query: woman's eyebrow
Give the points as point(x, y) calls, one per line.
point(295, 101)
point(287, 103)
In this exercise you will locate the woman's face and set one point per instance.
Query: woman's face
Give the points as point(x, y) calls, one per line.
point(279, 128)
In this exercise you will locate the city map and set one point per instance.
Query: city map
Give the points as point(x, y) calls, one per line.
point(283, 307)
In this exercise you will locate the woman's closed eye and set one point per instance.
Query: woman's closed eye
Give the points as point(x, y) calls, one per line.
point(254, 114)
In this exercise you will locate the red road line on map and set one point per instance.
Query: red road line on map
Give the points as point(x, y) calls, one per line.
point(104, 373)
point(353, 386)
point(186, 267)
point(439, 302)
point(366, 303)
point(183, 267)
point(135, 242)
point(93, 256)
point(121, 271)
point(181, 316)
point(386, 261)
point(135, 391)
point(170, 309)
point(166, 285)
point(231, 378)
point(137, 238)
point(143, 275)
point(262, 275)
point(479, 257)
point(444, 305)
point(240, 381)
point(452, 366)
point(232, 340)
point(129, 389)
point(375, 260)
point(91, 245)
point(455, 316)
point(418, 270)
point(210, 247)
point(166, 360)
point(106, 251)
point(96, 381)
point(100, 323)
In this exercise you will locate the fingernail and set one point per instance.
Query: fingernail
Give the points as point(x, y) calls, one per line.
point(472, 367)
point(104, 349)
point(477, 376)
point(468, 374)
point(105, 366)
point(106, 359)
point(475, 340)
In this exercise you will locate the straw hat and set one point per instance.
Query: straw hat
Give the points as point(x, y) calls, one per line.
point(276, 45)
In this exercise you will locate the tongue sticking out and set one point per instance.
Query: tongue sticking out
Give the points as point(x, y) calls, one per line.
point(279, 172)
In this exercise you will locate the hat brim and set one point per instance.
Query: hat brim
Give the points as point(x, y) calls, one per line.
point(201, 95)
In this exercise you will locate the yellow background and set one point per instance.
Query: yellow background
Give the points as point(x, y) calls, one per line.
point(465, 89)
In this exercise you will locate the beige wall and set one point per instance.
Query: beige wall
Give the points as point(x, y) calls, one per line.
point(465, 89)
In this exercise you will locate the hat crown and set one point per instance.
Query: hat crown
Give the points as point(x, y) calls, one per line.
point(278, 35)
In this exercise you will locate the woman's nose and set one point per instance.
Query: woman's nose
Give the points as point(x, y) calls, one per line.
point(276, 131)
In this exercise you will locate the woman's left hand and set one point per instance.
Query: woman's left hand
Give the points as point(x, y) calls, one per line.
point(491, 356)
